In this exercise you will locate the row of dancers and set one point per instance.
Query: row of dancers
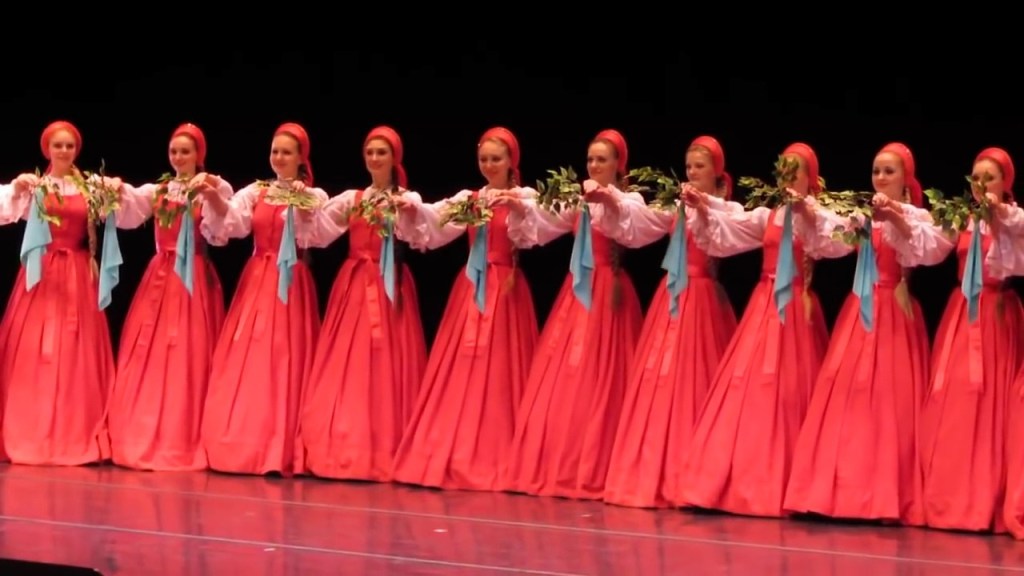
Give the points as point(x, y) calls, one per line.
point(687, 407)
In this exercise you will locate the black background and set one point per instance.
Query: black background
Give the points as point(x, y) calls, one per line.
point(844, 96)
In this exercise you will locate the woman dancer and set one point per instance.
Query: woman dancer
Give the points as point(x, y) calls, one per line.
point(566, 422)
point(977, 351)
point(163, 364)
point(465, 416)
point(56, 360)
point(687, 328)
point(262, 358)
point(856, 455)
point(743, 440)
point(370, 360)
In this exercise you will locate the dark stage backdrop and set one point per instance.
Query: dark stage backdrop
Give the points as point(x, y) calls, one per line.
point(846, 105)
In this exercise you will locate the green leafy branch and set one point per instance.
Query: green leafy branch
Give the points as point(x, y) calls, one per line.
point(49, 189)
point(468, 212)
point(379, 211)
point(560, 191)
point(763, 194)
point(164, 210)
point(848, 204)
point(100, 199)
point(281, 193)
point(954, 214)
point(665, 188)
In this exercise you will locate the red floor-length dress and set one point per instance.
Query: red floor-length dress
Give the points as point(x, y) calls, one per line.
point(262, 358)
point(675, 361)
point(163, 364)
point(566, 423)
point(856, 455)
point(369, 360)
point(963, 438)
point(10, 214)
point(671, 372)
point(56, 359)
point(742, 445)
point(464, 418)
point(1006, 259)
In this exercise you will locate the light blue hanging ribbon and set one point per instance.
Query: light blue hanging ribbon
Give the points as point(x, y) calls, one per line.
point(582, 263)
point(675, 264)
point(865, 277)
point(36, 238)
point(476, 268)
point(972, 281)
point(184, 255)
point(785, 268)
point(110, 261)
point(287, 256)
point(387, 261)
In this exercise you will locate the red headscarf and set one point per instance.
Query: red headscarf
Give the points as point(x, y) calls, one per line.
point(806, 153)
point(717, 160)
point(509, 139)
point(1001, 157)
point(621, 150)
point(299, 133)
point(53, 128)
point(909, 174)
point(193, 132)
point(395, 142)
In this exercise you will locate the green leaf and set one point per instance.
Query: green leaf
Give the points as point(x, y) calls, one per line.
point(560, 190)
point(377, 211)
point(846, 203)
point(167, 211)
point(100, 200)
point(467, 212)
point(957, 212)
point(653, 182)
point(762, 194)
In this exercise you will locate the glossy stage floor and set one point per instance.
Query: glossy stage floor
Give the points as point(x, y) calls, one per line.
point(122, 522)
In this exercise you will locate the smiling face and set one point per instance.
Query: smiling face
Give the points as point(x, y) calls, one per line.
point(63, 150)
point(602, 163)
point(700, 170)
point(495, 163)
point(285, 158)
point(887, 176)
point(183, 155)
point(379, 159)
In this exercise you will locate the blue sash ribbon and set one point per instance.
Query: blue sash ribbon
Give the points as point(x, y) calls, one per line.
point(387, 261)
point(184, 255)
point(36, 238)
point(972, 282)
point(476, 267)
point(110, 261)
point(865, 277)
point(582, 263)
point(675, 264)
point(785, 268)
point(287, 256)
